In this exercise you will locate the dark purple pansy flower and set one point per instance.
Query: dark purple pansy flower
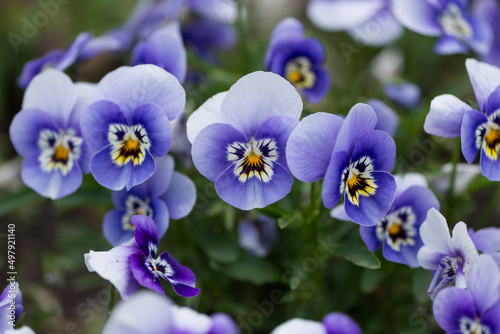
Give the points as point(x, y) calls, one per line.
point(475, 310)
point(163, 48)
point(298, 59)
point(458, 30)
point(239, 139)
point(127, 267)
point(479, 130)
point(162, 316)
point(489, 11)
point(129, 123)
point(257, 236)
point(367, 21)
point(406, 95)
point(398, 232)
point(167, 194)
point(46, 133)
point(11, 306)
point(352, 157)
point(450, 258)
point(333, 323)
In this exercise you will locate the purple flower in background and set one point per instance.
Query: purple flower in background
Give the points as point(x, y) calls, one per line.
point(387, 119)
point(476, 309)
point(162, 316)
point(257, 236)
point(298, 59)
point(458, 30)
point(224, 11)
point(46, 133)
point(398, 232)
point(205, 37)
point(167, 194)
point(129, 123)
point(333, 323)
point(451, 258)
point(489, 11)
point(367, 21)
point(127, 267)
point(353, 159)
point(11, 306)
point(487, 240)
point(479, 130)
point(163, 48)
point(239, 139)
point(406, 95)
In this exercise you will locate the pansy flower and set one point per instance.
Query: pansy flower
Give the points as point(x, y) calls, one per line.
point(479, 130)
point(129, 123)
point(489, 11)
point(487, 240)
point(398, 232)
point(258, 235)
point(458, 30)
point(298, 59)
point(163, 48)
point(352, 157)
point(406, 95)
point(367, 21)
point(129, 266)
point(46, 133)
point(163, 316)
point(167, 194)
point(333, 323)
point(11, 306)
point(450, 258)
point(474, 310)
point(239, 139)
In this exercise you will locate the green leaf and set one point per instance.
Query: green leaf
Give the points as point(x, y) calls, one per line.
point(359, 255)
point(370, 280)
point(284, 221)
point(255, 270)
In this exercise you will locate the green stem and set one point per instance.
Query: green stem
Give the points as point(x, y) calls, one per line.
point(453, 176)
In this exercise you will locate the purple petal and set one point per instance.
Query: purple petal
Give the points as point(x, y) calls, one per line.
point(185, 291)
point(287, 26)
point(490, 168)
point(448, 45)
point(84, 91)
point(35, 66)
point(484, 78)
point(472, 120)
point(340, 323)
point(182, 274)
point(407, 95)
point(255, 98)
point(387, 119)
point(450, 306)
point(146, 234)
point(321, 86)
point(436, 237)
point(131, 87)
point(208, 113)
point(311, 144)
point(420, 199)
point(373, 208)
point(253, 193)
point(493, 103)
point(490, 318)
point(462, 245)
point(210, 149)
point(487, 240)
point(331, 193)
point(369, 236)
point(52, 184)
point(360, 119)
point(114, 266)
point(393, 255)
point(25, 130)
point(445, 116)
point(53, 92)
point(482, 35)
point(483, 283)
point(180, 196)
point(160, 216)
point(278, 128)
point(112, 228)
point(143, 275)
point(72, 53)
point(417, 15)
point(107, 173)
point(160, 181)
point(157, 126)
point(377, 145)
point(339, 213)
point(408, 180)
point(224, 11)
point(410, 253)
point(223, 324)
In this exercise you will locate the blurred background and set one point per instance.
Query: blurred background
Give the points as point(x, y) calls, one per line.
point(61, 296)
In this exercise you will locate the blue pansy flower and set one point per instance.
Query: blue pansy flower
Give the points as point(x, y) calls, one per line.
point(11, 306)
point(398, 232)
point(479, 130)
point(450, 258)
point(163, 316)
point(333, 323)
point(167, 194)
point(129, 266)
point(163, 48)
point(458, 30)
point(257, 236)
point(404, 94)
point(129, 123)
point(298, 59)
point(46, 133)
point(239, 139)
point(476, 309)
point(489, 11)
point(352, 157)
point(367, 21)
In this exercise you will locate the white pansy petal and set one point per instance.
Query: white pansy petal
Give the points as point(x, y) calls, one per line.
point(461, 244)
point(300, 326)
point(208, 113)
point(485, 78)
point(435, 233)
